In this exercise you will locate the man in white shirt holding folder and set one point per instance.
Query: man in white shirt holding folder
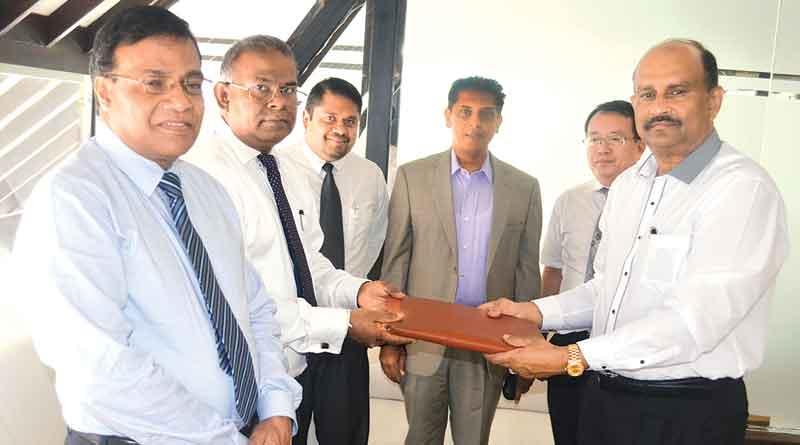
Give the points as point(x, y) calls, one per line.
point(693, 239)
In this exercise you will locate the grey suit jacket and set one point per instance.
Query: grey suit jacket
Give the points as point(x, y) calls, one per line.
point(420, 254)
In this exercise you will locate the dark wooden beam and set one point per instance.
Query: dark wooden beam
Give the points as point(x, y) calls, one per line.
point(24, 44)
point(318, 31)
point(65, 56)
point(66, 18)
point(13, 12)
point(383, 44)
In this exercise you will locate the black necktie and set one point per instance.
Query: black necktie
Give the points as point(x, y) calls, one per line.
point(302, 274)
point(330, 218)
point(596, 237)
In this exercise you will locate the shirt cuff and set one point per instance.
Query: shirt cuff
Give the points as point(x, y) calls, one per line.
point(277, 403)
point(552, 317)
point(349, 289)
point(327, 328)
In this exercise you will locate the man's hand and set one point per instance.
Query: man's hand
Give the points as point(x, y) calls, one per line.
point(375, 294)
point(504, 306)
point(273, 431)
point(369, 327)
point(534, 357)
point(393, 362)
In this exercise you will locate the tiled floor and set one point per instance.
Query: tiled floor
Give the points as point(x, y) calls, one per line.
point(511, 427)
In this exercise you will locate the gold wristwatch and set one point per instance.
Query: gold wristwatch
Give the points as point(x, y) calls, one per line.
point(574, 361)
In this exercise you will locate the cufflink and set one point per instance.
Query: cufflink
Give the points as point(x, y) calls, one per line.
point(325, 345)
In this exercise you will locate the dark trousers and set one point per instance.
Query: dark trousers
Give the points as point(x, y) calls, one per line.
point(621, 414)
point(564, 394)
point(79, 438)
point(336, 392)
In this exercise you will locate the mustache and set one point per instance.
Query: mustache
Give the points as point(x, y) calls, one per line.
point(661, 118)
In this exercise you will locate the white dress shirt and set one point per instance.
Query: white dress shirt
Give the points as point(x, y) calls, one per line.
point(303, 328)
point(569, 233)
point(365, 200)
point(684, 272)
point(116, 307)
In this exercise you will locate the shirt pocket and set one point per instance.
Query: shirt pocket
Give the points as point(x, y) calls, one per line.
point(664, 258)
point(361, 217)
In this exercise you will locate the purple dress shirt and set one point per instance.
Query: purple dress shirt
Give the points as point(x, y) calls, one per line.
point(472, 207)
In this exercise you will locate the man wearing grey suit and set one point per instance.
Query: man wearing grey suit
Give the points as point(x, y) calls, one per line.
point(464, 227)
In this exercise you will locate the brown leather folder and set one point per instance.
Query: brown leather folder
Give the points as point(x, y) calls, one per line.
point(456, 325)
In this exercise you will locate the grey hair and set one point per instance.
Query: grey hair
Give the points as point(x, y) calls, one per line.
point(259, 43)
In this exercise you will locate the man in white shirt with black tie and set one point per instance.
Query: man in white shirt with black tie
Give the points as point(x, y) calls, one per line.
point(353, 205)
point(318, 305)
point(570, 245)
point(694, 237)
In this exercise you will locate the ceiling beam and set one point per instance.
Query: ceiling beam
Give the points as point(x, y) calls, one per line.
point(13, 12)
point(66, 56)
point(318, 31)
point(66, 18)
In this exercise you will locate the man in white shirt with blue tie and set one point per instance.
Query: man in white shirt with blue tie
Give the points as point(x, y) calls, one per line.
point(694, 237)
point(139, 291)
point(570, 245)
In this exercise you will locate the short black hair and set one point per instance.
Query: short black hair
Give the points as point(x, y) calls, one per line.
point(131, 26)
point(621, 107)
point(336, 86)
point(477, 83)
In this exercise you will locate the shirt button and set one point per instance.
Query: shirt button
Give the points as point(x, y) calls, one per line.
point(325, 345)
point(465, 246)
point(613, 311)
point(604, 367)
point(652, 203)
point(639, 237)
point(641, 361)
point(625, 273)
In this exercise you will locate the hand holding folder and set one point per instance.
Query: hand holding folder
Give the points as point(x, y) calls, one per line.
point(457, 326)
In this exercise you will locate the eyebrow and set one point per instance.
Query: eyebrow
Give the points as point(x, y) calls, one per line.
point(162, 73)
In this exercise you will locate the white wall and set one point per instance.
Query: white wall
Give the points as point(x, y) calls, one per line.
point(557, 60)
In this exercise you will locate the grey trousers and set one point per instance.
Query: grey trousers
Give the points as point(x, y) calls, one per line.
point(462, 386)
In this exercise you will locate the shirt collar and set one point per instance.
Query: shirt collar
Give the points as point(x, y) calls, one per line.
point(243, 152)
point(688, 169)
point(146, 174)
point(316, 163)
point(486, 168)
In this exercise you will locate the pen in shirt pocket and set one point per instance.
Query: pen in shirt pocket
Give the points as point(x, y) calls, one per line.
point(301, 213)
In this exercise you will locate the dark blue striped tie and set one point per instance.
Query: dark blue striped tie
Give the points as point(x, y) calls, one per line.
point(234, 356)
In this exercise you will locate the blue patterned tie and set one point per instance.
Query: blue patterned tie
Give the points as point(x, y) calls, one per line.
point(302, 274)
point(234, 356)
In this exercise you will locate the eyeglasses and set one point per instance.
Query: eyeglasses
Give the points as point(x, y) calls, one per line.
point(266, 92)
point(610, 141)
point(157, 85)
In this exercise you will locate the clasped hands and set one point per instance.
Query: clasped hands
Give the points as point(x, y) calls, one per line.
point(368, 322)
point(532, 357)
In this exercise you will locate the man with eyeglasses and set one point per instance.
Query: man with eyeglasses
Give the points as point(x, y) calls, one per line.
point(464, 227)
point(694, 237)
point(318, 305)
point(353, 201)
point(570, 245)
point(141, 297)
